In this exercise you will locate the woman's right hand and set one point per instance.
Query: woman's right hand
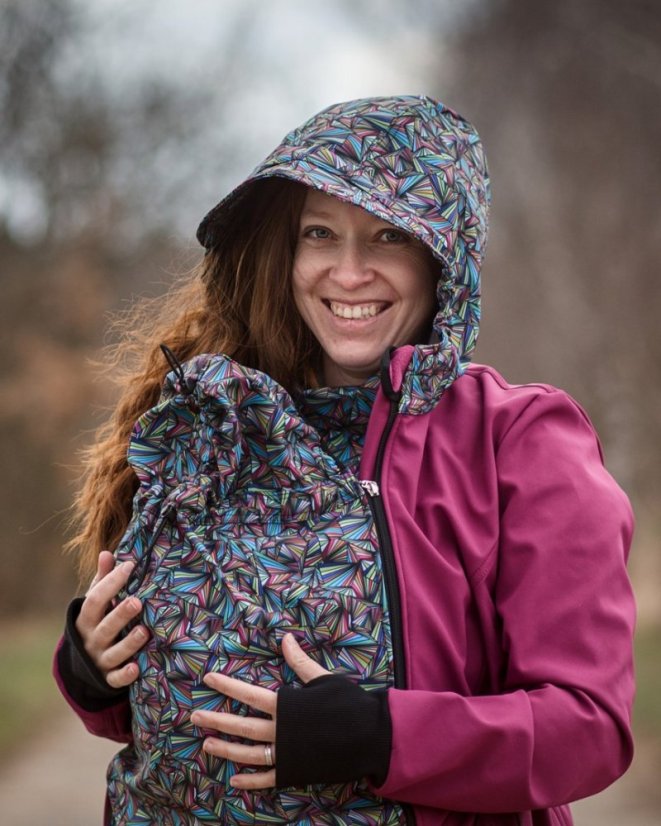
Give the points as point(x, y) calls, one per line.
point(99, 625)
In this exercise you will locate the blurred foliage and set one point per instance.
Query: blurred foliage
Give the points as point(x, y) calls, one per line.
point(92, 174)
point(566, 96)
point(83, 160)
point(74, 239)
point(55, 298)
point(27, 691)
point(647, 710)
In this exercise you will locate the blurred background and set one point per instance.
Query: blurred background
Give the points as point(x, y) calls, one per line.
point(122, 123)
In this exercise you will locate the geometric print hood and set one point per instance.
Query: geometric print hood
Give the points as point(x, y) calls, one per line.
point(417, 164)
point(244, 528)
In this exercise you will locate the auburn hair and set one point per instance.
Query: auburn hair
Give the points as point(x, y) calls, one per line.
point(237, 301)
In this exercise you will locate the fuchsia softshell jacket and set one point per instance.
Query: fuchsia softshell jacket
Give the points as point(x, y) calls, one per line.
point(510, 542)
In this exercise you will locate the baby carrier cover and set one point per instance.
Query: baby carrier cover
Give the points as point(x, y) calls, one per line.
point(243, 529)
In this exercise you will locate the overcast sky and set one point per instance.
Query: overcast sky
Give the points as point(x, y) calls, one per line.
point(316, 50)
point(265, 66)
point(276, 62)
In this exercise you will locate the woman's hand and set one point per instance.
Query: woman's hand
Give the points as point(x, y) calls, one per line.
point(252, 728)
point(99, 627)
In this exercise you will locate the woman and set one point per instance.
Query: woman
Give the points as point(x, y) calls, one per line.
point(437, 556)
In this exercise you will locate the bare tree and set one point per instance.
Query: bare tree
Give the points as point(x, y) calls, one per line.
point(567, 97)
point(89, 180)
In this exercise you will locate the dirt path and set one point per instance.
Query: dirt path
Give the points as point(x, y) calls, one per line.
point(58, 780)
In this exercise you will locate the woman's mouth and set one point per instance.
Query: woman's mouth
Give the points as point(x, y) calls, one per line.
point(366, 310)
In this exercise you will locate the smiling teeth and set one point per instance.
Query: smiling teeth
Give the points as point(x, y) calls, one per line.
point(354, 311)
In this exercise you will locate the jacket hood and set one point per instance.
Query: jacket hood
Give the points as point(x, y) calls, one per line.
point(417, 164)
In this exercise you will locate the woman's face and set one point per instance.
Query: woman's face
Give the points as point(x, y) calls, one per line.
point(361, 285)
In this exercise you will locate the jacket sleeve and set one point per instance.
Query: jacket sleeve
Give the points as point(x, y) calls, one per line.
point(558, 726)
point(103, 710)
point(330, 731)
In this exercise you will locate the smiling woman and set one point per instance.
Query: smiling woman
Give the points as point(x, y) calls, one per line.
point(361, 580)
point(361, 286)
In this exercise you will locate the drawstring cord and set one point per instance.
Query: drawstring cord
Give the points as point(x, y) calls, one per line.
point(187, 384)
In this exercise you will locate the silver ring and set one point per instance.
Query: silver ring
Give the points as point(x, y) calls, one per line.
point(268, 754)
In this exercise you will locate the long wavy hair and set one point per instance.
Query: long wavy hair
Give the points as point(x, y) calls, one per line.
point(237, 301)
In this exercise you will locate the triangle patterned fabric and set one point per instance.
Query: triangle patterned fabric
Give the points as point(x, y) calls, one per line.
point(244, 528)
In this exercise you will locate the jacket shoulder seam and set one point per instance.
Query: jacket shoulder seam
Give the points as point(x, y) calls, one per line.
point(476, 370)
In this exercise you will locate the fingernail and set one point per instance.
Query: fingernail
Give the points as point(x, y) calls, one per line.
point(215, 675)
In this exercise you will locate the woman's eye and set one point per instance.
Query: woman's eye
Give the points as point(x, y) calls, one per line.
point(319, 233)
point(394, 236)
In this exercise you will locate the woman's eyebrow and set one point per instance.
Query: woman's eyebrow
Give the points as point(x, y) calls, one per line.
point(313, 214)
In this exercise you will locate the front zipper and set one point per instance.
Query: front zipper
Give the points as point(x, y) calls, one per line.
point(373, 490)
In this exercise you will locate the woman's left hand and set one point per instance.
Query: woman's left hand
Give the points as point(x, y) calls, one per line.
point(257, 729)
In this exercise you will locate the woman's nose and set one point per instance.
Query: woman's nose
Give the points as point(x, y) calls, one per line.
point(352, 267)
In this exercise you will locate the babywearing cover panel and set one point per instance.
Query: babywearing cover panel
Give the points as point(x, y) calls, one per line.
point(243, 529)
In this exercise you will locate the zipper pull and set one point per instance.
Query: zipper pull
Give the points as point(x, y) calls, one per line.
point(371, 488)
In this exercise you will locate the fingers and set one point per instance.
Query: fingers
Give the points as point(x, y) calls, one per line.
point(246, 755)
point(252, 695)
point(104, 590)
point(104, 565)
point(251, 728)
point(108, 652)
point(247, 728)
point(112, 656)
point(304, 667)
point(123, 677)
point(100, 627)
point(99, 636)
point(237, 752)
point(256, 780)
point(114, 622)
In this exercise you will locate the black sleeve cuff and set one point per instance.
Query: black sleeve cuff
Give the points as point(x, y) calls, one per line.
point(331, 731)
point(83, 681)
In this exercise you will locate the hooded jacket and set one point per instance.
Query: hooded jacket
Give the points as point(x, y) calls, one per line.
point(502, 539)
